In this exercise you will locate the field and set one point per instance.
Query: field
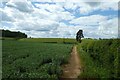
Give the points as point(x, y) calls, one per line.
point(26, 59)
point(50, 40)
point(43, 57)
point(44, 40)
point(100, 58)
point(0, 59)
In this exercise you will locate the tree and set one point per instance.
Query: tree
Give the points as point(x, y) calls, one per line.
point(11, 34)
point(79, 35)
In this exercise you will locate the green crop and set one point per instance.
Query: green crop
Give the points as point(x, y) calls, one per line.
point(22, 59)
point(50, 40)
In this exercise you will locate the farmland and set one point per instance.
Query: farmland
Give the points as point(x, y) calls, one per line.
point(26, 59)
point(43, 57)
point(50, 40)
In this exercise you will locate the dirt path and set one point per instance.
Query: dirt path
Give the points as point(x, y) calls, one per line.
point(72, 69)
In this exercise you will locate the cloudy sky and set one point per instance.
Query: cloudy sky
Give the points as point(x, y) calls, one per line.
point(49, 18)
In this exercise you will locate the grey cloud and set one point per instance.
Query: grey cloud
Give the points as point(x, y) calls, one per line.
point(21, 6)
point(6, 17)
point(93, 4)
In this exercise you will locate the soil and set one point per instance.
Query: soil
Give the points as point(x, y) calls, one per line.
point(73, 68)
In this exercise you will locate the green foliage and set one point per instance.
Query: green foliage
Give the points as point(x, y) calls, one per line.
point(50, 40)
point(100, 57)
point(22, 59)
point(79, 35)
point(11, 34)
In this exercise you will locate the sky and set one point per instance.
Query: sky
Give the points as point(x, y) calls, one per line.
point(60, 19)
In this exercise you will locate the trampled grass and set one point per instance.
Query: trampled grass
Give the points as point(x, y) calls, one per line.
point(22, 59)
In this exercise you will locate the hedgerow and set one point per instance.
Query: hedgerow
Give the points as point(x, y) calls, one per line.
point(100, 58)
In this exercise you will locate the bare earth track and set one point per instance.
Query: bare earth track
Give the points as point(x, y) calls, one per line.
point(72, 69)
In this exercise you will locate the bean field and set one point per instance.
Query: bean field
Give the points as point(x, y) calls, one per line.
point(43, 58)
point(22, 59)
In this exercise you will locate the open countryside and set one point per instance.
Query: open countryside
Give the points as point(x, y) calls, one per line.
point(55, 40)
point(29, 58)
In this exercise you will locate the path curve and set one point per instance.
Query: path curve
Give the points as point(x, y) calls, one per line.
point(72, 69)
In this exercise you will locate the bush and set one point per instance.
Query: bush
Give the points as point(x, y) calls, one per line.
point(103, 56)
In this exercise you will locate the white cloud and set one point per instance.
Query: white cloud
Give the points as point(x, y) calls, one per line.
point(109, 28)
point(24, 6)
point(84, 8)
point(87, 7)
point(16, 14)
point(88, 20)
point(70, 5)
point(67, 31)
point(38, 25)
point(107, 6)
point(65, 15)
point(98, 26)
point(6, 16)
point(48, 19)
point(56, 11)
point(51, 7)
point(90, 6)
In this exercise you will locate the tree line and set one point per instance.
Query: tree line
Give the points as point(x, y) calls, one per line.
point(12, 34)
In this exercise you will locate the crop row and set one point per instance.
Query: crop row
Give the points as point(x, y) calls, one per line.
point(33, 59)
